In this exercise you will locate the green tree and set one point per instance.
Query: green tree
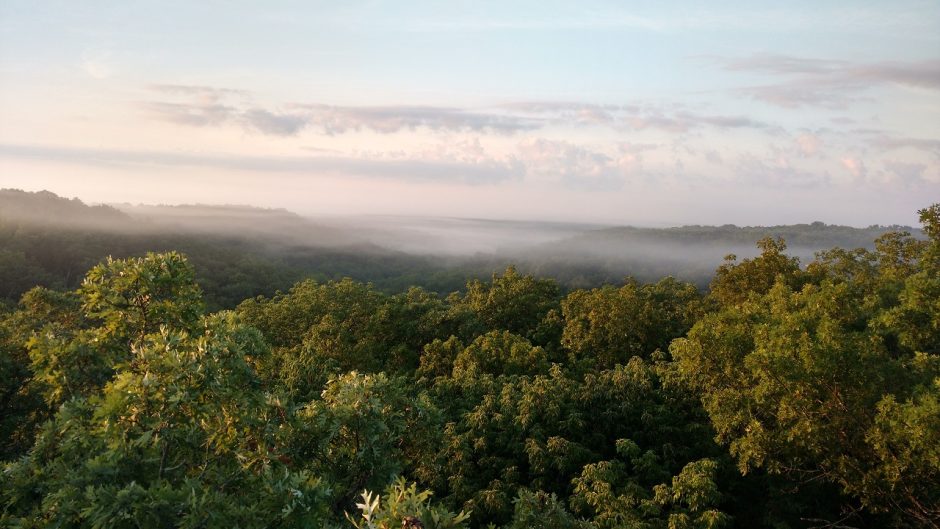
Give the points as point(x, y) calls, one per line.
point(121, 303)
point(511, 301)
point(608, 325)
point(800, 381)
point(734, 282)
point(23, 397)
point(541, 510)
point(363, 432)
point(179, 438)
point(613, 494)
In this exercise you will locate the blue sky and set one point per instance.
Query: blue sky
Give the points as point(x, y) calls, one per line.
point(642, 112)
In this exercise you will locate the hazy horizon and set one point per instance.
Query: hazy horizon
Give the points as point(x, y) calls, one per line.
point(661, 114)
point(405, 217)
point(573, 250)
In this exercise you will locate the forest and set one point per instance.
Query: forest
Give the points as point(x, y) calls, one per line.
point(240, 252)
point(788, 393)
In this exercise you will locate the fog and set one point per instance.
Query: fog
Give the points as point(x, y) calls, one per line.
point(274, 225)
point(576, 254)
point(450, 236)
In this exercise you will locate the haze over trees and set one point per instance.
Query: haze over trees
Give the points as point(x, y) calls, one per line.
point(241, 252)
point(787, 394)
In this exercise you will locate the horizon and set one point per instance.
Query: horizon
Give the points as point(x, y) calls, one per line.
point(662, 115)
point(120, 206)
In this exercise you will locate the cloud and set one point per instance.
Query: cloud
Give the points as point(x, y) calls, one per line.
point(777, 172)
point(390, 119)
point(828, 83)
point(782, 64)
point(405, 169)
point(203, 106)
point(208, 106)
point(276, 124)
point(888, 143)
point(855, 167)
point(196, 115)
point(808, 144)
point(721, 122)
point(637, 117)
point(714, 157)
point(200, 93)
point(905, 173)
point(570, 111)
point(577, 166)
point(799, 95)
point(208, 110)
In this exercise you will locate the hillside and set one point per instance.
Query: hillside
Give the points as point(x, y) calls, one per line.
point(242, 251)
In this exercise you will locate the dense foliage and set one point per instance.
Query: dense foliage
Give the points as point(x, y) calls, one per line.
point(787, 396)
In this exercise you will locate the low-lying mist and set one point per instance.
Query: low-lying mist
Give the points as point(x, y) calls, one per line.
point(242, 251)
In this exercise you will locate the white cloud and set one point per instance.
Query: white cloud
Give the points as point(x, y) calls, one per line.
point(577, 166)
point(829, 83)
point(372, 166)
point(855, 167)
point(808, 144)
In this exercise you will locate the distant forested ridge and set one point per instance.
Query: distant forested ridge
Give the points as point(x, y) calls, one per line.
point(787, 394)
point(240, 252)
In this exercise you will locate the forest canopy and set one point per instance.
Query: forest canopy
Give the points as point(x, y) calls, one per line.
point(784, 395)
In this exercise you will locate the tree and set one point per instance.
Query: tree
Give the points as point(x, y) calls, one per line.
point(607, 326)
point(121, 303)
point(800, 381)
point(734, 282)
point(179, 438)
point(363, 432)
point(24, 398)
point(511, 301)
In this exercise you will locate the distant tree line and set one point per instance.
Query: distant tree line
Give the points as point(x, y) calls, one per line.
point(51, 241)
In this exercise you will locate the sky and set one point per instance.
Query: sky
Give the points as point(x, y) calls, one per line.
point(645, 113)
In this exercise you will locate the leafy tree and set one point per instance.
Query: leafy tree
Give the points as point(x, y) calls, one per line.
point(316, 330)
point(511, 301)
point(540, 510)
point(408, 322)
point(613, 494)
point(734, 282)
point(132, 298)
point(178, 438)
point(121, 303)
point(362, 433)
point(538, 432)
point(437, 359)
point(500, 353)
point(21, 393)
point(788, 398)
point(799, 382)
point(916, 317)
point(609, 326)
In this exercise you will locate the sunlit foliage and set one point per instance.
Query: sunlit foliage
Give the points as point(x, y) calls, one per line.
point(786, 396)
